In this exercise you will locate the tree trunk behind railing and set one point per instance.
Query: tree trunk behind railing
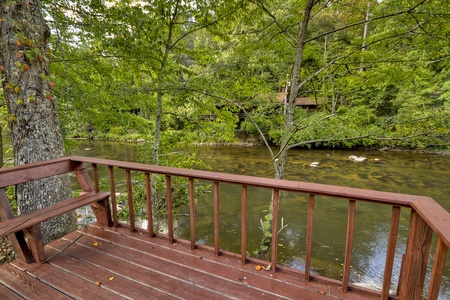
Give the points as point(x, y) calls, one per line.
point(415, 260)
point(28, 90)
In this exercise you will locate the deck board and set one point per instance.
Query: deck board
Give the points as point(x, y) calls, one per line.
point(134, 266)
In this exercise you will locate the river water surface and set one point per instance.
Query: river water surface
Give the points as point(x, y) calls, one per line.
point(400, 172)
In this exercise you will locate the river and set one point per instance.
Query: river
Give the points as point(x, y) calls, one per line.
point(400, 172)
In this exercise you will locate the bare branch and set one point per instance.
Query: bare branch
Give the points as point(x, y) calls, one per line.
point(286, 146)
point(247, 114)
point(283, 29)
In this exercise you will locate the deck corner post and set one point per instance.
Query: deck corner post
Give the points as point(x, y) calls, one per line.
point(102, 212)
point(36, 242)
point(414, 265)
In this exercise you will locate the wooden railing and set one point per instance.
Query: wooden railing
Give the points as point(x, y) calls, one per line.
point(426, 217)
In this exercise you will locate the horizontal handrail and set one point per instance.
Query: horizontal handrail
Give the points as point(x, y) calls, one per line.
point(286, 185)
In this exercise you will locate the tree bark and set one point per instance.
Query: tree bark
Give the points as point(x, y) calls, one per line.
point(33, 119)
point(293, 94)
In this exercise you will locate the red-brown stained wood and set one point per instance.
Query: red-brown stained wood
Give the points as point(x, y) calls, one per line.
point(39, 216)
point(22, 251)
point(244, 224)
point(157, 277)
point(130, 200)
point(287, 185)
point(35, 242)
point(84, 180)
point(24, 173)
point(309, 234)
point(221, 271)
point(201, 268)
point(26, 286)
point(390, 255)
point(71, 284)
point(216, 219)
point(6, 293)
point(349, 244)
point(274, 241)
point(95, 175)
point(112, 188)
point(102, 211)
point(148, 201)
point(414, 266)
point(438, 269)
point(192, 216)
point(169, 208)
point(96, 269)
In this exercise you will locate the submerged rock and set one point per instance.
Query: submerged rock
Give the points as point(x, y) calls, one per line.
point(357, 158)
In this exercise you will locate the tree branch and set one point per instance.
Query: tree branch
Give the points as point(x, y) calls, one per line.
point(365, 21)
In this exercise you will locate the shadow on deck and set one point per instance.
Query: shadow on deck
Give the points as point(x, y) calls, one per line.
point(112, 263)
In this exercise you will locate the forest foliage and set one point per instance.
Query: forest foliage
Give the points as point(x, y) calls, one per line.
point(207, 70)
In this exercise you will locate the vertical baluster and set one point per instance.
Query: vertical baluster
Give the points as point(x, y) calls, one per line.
point(216, 219)
point(244, 225)
point(112, 187)
point(349, 244)
point(414, 264)
point(95, 173)
point(276, 196)
point(192, 211)
point(130, 200)
point(392, 242)
point(148, 199)
point(309, 233)
point(169, 207)
point(438, 269)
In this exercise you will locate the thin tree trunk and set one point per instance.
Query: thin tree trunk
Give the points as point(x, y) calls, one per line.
point(281, 159)
point(365, 33)
point(294, 89)
point(33, 119)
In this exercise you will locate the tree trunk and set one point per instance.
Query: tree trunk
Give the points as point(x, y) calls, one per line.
point(293, 94)
point(266, 242)
point(33, 119)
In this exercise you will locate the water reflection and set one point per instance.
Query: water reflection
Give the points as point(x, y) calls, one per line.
point(385, 171)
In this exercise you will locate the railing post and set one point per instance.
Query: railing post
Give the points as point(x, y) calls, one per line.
point(438, 269)
point(169, 207)
point(244, 225)
point(112, 187)
point(276, 198)
point(130, 200)
point(392, 242)
point(414, 266)
point(349, 244)
point(216, 219)
point(148, 200)
point(192, 211)
point(309, 234)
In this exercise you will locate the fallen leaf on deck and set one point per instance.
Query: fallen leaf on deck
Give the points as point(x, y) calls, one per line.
point(112, 278)
point(98, 283)
point(258, 267)
point(95, 244)
point(268, 267)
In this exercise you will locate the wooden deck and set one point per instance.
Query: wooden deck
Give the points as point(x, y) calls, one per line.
point(112, 263)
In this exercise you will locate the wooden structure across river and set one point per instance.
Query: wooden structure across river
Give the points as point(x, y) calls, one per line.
point(113, 259)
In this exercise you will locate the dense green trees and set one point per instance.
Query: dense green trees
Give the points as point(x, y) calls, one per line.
point(151, 69)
